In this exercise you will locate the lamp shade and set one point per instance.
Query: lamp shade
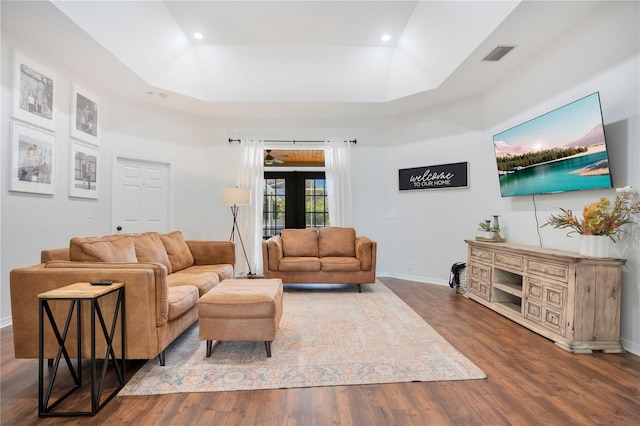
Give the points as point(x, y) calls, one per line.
point(236, 196)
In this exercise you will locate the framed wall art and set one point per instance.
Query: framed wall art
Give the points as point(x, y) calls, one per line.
point(441, 176)
point(85, 115)
point(34, 92)
point(32, 160)
point(83, 171)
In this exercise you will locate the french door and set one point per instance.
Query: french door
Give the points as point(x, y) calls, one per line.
point(294, 200)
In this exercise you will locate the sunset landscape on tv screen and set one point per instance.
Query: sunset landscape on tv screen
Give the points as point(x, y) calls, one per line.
point(563, 150)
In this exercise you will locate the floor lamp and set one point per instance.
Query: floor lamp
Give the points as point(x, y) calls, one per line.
point(236, 197)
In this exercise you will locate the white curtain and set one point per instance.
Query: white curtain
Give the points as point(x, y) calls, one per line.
point(251, 176)
point(337, 157)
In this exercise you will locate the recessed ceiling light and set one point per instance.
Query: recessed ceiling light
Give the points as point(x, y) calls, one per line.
point(197, 36)
point(385, 37)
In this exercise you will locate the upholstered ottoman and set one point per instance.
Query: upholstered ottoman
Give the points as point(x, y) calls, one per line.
point(241, 310)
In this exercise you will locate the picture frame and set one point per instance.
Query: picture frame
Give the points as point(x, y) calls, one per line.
point(441, 176)
point(83, 171)
point(34, 98)
point(33, 154)
point(85, 115)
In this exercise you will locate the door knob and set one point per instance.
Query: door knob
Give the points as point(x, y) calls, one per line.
point(118, 228)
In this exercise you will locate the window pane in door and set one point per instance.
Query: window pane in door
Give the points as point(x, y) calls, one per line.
point(316, 212)
point(274, 207)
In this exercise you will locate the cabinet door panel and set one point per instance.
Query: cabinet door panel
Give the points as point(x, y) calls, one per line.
point(473, 285)
point(484, 290)
point(533, 311)
point(480, 272)
point(554, 296)
point(533, 289)
point(553, 319)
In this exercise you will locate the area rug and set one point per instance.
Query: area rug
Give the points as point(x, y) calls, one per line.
point(327, 337)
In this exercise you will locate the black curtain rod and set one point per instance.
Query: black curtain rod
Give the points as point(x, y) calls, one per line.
point(354, 141)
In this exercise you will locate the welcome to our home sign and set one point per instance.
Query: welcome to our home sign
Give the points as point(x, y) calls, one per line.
point(434, 177)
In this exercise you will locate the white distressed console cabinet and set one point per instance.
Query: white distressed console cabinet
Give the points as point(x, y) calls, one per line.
point(571, 299)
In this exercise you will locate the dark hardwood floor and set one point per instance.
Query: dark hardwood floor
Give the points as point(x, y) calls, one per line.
point(530, 381)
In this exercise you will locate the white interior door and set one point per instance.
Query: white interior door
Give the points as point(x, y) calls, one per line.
point(141, 196)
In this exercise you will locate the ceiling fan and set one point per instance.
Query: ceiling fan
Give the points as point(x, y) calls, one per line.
point(271, 159)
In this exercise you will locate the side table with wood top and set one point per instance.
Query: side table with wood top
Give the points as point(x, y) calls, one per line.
point(76, 294)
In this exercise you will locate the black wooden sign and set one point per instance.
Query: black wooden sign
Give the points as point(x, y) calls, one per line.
point(434, 177)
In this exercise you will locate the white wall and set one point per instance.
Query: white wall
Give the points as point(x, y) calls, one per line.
point(32, 222)
point(430, 225)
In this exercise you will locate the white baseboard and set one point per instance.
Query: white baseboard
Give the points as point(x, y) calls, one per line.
point(630, 346)
point(5, 322)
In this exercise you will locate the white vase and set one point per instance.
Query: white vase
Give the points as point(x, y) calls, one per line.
point(595, 245)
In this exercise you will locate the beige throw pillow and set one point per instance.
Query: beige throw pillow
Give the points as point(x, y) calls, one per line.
point(149, 249)
point(107, 249)
point(178, 251)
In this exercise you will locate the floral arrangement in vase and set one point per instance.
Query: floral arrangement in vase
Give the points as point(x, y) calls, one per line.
point(601, 217)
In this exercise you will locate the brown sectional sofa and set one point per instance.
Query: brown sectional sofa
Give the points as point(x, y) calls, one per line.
point(164, 277)
point(320, 255)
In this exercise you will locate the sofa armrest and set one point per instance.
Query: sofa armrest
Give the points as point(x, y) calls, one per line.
point(148, 278)
point(272, 253)
point(145, 297)
point(365, 252)
point(212, 252)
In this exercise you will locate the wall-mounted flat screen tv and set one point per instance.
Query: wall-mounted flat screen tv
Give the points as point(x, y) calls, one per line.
point(562, 150)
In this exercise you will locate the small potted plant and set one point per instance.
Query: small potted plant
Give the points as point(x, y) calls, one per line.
point(486, 229)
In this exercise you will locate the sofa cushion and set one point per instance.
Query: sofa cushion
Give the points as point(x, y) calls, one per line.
point(299, 264)
point(181, 299)
point(224, 271)
point(178, 251)
point(336, 242)
point(114, 248)
point(300, 242)
point(204, 281)
point(340, 264)
point(149, 249)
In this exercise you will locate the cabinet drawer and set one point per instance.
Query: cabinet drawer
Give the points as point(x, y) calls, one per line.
point(509, 260)
point(480, 253)
point(549, 270)
point(480, 272)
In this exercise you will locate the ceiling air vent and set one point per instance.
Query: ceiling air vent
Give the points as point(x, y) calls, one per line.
point(498, 53)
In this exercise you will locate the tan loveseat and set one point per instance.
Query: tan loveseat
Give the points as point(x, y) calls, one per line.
point(164, 277)
point(320, 255)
